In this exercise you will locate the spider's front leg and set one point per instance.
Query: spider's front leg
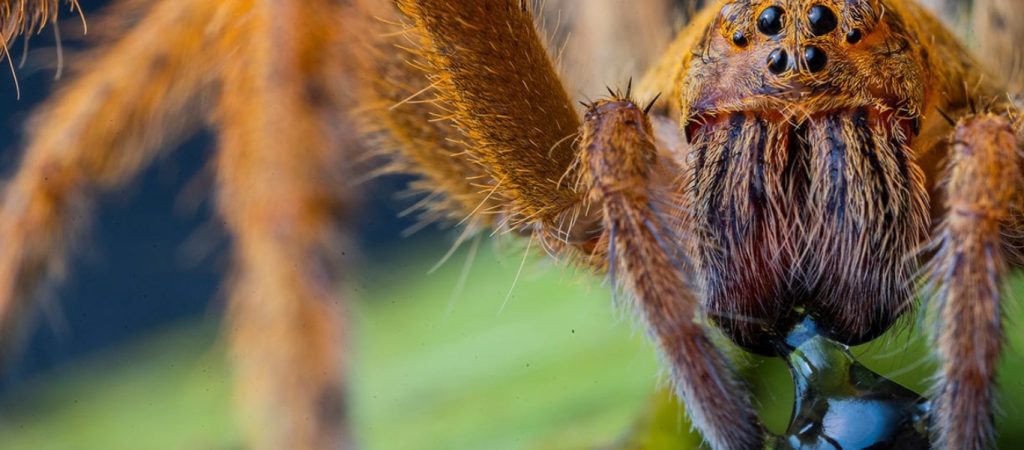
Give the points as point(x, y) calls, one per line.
point(513, 122)
point(643, 227)
point(968, 272)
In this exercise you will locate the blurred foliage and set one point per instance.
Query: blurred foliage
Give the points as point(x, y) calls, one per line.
point(554, 367)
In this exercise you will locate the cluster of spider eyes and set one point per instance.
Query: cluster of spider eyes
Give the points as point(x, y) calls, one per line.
point(821, 20)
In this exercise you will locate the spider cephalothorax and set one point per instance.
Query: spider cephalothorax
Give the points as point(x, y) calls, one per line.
point(802, 171)
point(813, 129)
point(787, 184)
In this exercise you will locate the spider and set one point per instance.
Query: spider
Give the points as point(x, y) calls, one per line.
point(777, 186)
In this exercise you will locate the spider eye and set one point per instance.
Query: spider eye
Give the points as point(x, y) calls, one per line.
point(822, 20)
point(740, 39)
point(854, 36)
point(815, 58)
point(778, 61)
point(770, 20)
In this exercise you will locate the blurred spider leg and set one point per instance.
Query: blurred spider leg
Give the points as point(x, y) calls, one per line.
point(620, 160)
point(967, 276)
point(999, 26)
point(282, 193)
point(99, 131)
point(665, 76)
point(609, 39)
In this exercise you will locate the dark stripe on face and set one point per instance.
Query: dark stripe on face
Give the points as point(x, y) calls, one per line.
point(869, 150)
point(836, 168)
point(702, 157)
point(735, 132)
point(902, 162)
point(794, 147)
point(757, 193)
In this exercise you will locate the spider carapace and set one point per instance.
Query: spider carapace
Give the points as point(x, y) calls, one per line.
point(808, 123)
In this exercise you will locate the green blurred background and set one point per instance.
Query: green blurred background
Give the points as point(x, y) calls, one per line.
point(437, 367)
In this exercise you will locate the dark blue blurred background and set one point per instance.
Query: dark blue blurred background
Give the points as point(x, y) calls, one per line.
point(141, 265)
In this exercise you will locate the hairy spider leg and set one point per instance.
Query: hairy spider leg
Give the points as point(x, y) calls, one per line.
point(967, 275)
point(279, 109)
point(30, 17)
point(489, 128)
point(525, 147)
point(97, 134)
point(400, 115)
point(513, 113)
point(646, 254)
point(282, 171)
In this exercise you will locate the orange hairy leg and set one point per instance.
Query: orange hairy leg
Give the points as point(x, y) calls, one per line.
point(646, 251)
point(28, 16)
point(398, 112)
point(967, 275)
point(281, 173)
point(506, 99)
point(279, 96)
point(100, 131)
point(527, 153)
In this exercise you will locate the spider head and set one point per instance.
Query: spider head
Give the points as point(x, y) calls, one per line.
point(804, 57)
point(802, 116)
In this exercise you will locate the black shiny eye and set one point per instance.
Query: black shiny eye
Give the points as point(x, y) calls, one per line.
point(822, 20)
point(770, 21)
point(815, 58)
point(854, 36)
point(740, 39)
point(778, 61)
